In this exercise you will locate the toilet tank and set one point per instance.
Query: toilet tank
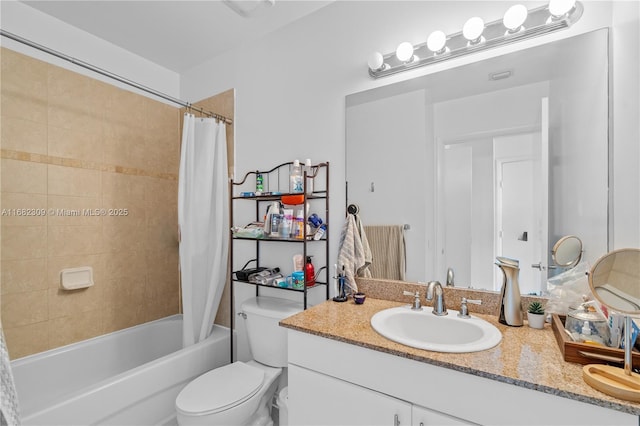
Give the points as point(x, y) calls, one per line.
point(267, 340)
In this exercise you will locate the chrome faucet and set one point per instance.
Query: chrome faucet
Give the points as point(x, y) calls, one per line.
point(439, 307)
point(416, 306)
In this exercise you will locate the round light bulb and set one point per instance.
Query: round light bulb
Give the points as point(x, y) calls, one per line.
point(515, 17)
point(404, 52)
point(376, 61)
point(473, 28)
point(436, 41)
point(559, 8)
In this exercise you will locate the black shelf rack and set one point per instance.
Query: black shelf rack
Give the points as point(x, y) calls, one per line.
point(274, 178)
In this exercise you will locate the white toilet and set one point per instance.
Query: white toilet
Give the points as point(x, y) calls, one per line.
point(241, 393)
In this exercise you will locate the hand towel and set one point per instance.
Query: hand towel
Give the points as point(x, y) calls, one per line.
point(388, 251)
point(354, 253)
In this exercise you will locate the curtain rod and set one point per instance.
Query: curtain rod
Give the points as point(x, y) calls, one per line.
point(113, 76)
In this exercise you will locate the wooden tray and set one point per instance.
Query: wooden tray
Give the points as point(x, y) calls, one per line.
point(587, 354)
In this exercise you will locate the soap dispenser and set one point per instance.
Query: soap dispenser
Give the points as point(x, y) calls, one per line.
point(510, 307)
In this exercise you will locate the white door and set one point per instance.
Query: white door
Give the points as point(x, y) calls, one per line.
point(522, 213)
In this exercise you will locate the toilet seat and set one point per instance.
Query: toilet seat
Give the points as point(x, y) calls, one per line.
point(220, 389)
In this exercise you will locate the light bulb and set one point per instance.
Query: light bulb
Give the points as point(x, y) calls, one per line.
point(404, 52)
point(559, 8)
point(473, 29)
point(436, 41)
point(514, 17)
point(376, 61)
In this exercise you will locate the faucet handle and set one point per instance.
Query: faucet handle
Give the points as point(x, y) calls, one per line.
point(464, 310)
point(417, 306)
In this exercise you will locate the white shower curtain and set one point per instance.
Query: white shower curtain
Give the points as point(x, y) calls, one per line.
point(204, 223)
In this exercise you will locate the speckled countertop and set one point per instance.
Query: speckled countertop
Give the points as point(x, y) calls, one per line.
point(525, 357)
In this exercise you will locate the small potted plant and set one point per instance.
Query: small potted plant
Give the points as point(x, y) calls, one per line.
point(535, 315)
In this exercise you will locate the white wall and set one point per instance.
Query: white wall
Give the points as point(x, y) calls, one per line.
point(38, 27)
point(290, 86)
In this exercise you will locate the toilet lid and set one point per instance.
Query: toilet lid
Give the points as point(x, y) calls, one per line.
point(220, 389)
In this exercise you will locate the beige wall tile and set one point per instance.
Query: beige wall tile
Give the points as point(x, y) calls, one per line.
point(23, 176)
point(19, 276)
point(27, 339)
point(24, 308)
point(162, 273)
point(160, 308)
point(75, 328)
point(56, 264)
point(71, 143)
point(24, 242)
point(116, 319)
point(83, 127)
point(121, 190)
point(24, 86)
point(24, 209)
point(74, 240)
point(120, 294)
point(124, 146)
point(24, 134)
point(64, 303)
point(72, 101)
point(125, 265)
point(73, 211)
point(73, 181)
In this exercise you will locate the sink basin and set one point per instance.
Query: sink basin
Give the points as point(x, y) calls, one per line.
point(424, 330)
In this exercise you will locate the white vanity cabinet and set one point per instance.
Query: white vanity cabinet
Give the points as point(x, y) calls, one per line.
point(421, 416)
point(337, 383)
point(330, 401)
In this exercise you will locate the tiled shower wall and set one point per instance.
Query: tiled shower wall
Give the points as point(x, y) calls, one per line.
point(70, 142)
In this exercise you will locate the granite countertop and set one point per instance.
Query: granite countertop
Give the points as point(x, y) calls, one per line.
point(525, 357)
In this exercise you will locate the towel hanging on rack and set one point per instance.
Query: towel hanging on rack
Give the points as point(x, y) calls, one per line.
point(389, 260)
point(354, 253)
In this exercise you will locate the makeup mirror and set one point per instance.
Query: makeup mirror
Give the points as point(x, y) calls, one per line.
point(615, 281)
point(567, 251)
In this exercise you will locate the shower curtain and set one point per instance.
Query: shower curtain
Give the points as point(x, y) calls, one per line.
point(204, 223)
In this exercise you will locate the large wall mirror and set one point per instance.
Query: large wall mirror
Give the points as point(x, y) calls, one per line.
point(501, 157)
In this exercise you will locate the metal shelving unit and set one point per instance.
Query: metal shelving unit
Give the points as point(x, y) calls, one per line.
point(318, 198)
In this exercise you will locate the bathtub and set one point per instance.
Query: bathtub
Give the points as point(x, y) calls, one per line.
point(129, 377)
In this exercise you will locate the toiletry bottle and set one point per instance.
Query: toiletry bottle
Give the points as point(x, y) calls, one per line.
point(587, 337)
point(297, 262)
point(309, 171)
point(259, 184)
point(320, 232)
point(297, 185)
point(309, 272)
point(298, 225)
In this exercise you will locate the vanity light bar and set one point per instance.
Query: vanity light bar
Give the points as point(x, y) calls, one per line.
point(538, 21)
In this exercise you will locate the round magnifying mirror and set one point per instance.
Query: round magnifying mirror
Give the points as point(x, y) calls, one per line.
point(615, 280)
point(567, 252)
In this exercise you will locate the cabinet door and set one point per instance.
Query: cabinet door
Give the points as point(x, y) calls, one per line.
point(317, 399)
point(424, 417)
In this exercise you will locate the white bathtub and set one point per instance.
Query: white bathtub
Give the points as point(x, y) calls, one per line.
point(129, 377)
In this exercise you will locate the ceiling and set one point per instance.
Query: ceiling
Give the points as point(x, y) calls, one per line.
point(177, 35)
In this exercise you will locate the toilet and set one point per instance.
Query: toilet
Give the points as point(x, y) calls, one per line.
point(241, 393)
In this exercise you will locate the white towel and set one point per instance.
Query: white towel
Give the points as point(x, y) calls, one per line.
point(354, 253)
point(9, 413)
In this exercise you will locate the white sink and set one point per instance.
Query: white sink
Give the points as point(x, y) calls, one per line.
point(424, 330)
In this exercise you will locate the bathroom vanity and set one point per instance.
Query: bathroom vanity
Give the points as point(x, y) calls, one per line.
point(341, 372)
